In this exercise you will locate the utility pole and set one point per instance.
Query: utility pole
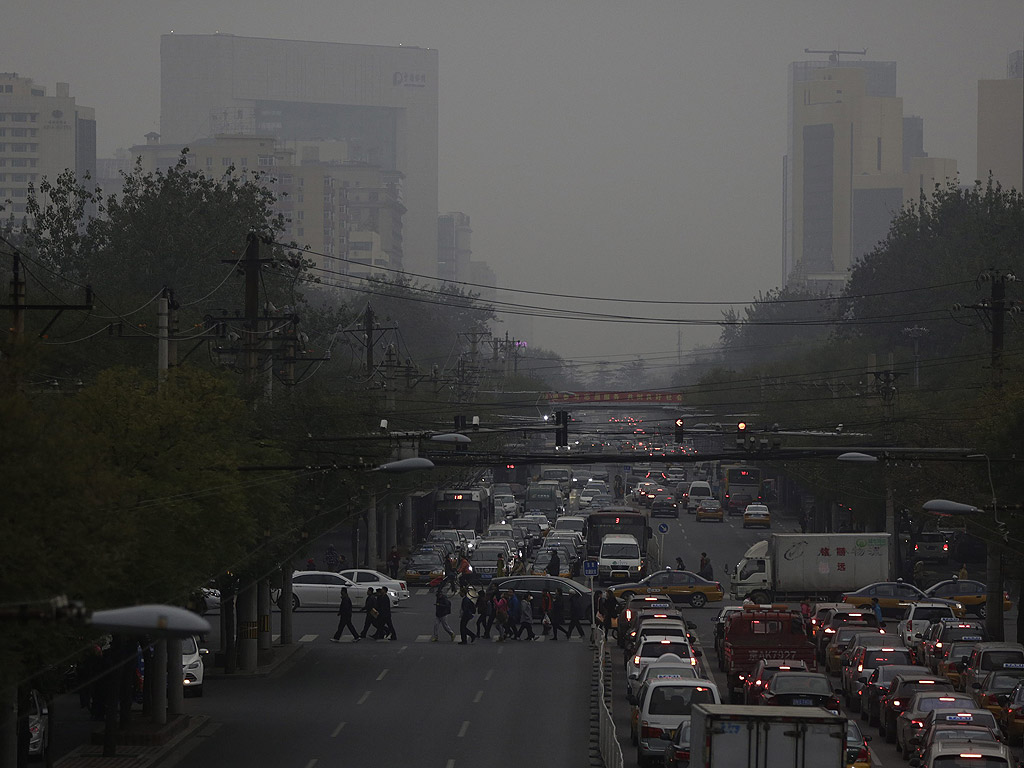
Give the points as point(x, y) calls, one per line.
point(368, 330)
point(251, 269)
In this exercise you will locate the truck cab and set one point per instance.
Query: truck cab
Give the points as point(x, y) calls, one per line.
point(751, 573)
point(763, 632)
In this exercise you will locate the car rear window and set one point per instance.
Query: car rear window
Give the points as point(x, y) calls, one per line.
point(972, 760)
point(678, 700)
point(785, 683)
point(653, 650)
point(863, 619)
point(932, 614)
point(962, 633)
point(1002, 660)
point(915, 686)
point(927, 705)
point(881, 658)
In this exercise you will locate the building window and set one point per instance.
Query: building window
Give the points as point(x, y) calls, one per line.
point(225, 161)
point(265, 160)
point(19, 131)
point(301, 231)
point(302, 197)
point(361, 245)
point(245, 162)
point(302, 215)
point(209, 162)
point(19, 162)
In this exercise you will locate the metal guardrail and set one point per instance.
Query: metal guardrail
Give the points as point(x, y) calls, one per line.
point(611, 751)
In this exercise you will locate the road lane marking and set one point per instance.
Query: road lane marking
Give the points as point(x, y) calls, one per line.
point(311, 763)
point(402, 648)
point(422, 638)
point(381, 675)
point(464, 728)
point(364, 697)
point(450, 763)
point(308, 638)
point(490, 673)
point(338, 729)
point(479, 695)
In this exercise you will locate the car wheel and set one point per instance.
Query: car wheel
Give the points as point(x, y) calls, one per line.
point(698, 600)
point(295, 602)
point(982, 611)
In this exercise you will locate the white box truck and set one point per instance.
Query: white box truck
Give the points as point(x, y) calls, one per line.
point(740, 736)
point(788, 567)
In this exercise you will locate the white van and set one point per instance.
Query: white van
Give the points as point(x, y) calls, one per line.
point(696, 493)
point(619, 559)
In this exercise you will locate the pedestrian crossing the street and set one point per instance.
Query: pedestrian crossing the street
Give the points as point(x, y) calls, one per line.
point(419, 639)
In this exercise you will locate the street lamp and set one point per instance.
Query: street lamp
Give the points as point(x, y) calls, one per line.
point(160, 620)
point(405, 465)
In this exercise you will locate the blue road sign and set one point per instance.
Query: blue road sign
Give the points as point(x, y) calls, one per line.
point(663, 528)
point(590, 567)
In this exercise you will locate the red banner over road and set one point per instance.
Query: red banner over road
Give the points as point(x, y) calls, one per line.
point(646, 398)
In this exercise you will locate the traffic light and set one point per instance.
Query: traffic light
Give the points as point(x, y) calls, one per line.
point(680, 430)
point(562, 429)
point(741, 434)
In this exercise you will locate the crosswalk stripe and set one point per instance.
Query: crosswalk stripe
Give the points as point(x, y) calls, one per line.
point(308, 638)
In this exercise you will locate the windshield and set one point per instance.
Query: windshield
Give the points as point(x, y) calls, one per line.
point(678, 700)
point(620, 550)
point(424, 561)
point(188, 646)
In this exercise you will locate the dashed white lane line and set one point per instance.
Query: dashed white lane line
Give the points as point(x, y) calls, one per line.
point(308, 638)
point(489, 675)
point(381, 675)
point(311, 763)
point(450, 763)
point(464, 728)
point(479, 695)
point(338, 729)
point(364, 697)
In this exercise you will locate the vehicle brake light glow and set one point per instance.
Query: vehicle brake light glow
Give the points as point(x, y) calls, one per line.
point(969, 754)
point(636, 659)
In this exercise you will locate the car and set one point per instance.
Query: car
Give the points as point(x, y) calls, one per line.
point(862, 664)
point(636, 611)
point(536, 585)
point(874, 690)
point(959, 716)
point(667, 666)
point(959, 754)
point(932, 546)
point(837, 646)
point(677, 754)
point(653, 647)
point(322, 589)
point(678, 586)
point(858, 753)
point(1011, 714)
point(841, 617)
point(470, 539)
point(819, 614)
point(424, 567)
point(370, 578)
point(954, 731)
point(447, 537)
point(939, 635)
point(645, 621)
point(996, 685)
point(986, 657)
point(719, 622)
point(952, 665)
point(541, 520)
point(664, 505)
point(710, 509)
point(574, 523)
point(921, 703)
point(800, 689)
point(486, 563)
point(757, 516)
point(506, 505)
point(765, 670)
point(973, 595)
point(897, 696)
point(193, 669)
point(893, 597)
point(38, 725)
point(661, 706)
point(540, 564)
point(916, 618)
point(695, 494)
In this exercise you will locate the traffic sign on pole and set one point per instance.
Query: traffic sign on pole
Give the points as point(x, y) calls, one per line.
point(663, 528)
point(590, 567)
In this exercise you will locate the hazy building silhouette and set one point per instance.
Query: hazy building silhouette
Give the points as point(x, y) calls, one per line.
point(1001, 126)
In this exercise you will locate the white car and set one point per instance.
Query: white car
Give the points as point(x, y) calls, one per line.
point(193, 670)
point(322, 589)
point(364, 577)
point(506, 505)
point(654, 647)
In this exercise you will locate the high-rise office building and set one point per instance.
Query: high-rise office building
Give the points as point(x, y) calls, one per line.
point(1001, 126)
point(40, 136)
point(853, 160)
point(379, 101)
point(453, 246)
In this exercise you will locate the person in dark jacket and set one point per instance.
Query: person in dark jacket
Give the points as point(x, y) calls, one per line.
point(442, 607)
point(609, 610)
point(558, 615)
point(575, 614)
point(483, 605)
point(386, 629)
point(465, 615)
point(512, 625)
point(370, 606)
point(526, 617)
point(345, 618)
point(554, 564)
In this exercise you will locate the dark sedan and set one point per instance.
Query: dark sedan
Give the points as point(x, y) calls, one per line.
point(536, 585)
point(800, 689)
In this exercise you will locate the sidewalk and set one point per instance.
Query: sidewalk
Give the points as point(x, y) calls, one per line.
point(145, 745)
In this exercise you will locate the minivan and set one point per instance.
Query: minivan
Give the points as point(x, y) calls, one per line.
point(619, 558)
point(695, 494)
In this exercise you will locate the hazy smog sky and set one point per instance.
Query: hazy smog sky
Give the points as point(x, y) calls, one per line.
point(626, 149)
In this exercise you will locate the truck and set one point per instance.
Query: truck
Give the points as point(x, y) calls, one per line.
point(560, 475)
point(791, 567)
point(762, 632)
point(727, 736)
point(544, 498)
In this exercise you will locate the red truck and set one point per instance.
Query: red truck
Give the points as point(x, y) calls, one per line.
point(763, 632)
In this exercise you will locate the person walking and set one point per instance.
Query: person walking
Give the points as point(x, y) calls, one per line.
point(919, 573)
point(394, 561)
point(526, 617)
point(546, 604)
point(483, 605)
point(703, 561)
point(499, 567)
point(467, 609)
point(963, 572)
point(501, 615)
point(877, 608)
point(554, 564)
point(609, 611)
point(331, 558)
point(514, 604)
point(386, 630)
point(345, 618)
point(575, 613)
point(558, 615)
point(706, 571)
point(680, 565)
point(492, 608)
point(442, 607)
point(370, 606)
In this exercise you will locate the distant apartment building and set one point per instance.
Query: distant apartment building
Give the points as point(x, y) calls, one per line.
point(1001, 126)
point(453, 246)
point(378, 102)
point(853, 160)
point(40, 136)
point(347, 215)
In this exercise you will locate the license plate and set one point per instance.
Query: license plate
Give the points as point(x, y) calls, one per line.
point(802, 702)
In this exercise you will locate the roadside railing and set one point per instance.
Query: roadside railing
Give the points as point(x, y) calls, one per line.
point(611, 751)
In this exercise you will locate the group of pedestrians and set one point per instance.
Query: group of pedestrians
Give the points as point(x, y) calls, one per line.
point(378, 616)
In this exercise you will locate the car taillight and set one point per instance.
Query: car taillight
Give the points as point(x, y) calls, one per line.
point(945, 547)
point(402, 585)
point(683, 755)
point(910, 626)
point(636, 660)
point(863, 754)
point(992, 698)
point(916, 723)
point(650, 732)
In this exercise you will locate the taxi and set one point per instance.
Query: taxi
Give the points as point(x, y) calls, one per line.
point(893, 597)
point(858, 753)
point(972, 594)
point(423, 567)
point(1011, 715)
point(951, 666)
point(678, 586)
point(710, 509)
point(995, 687)
point(757, 515)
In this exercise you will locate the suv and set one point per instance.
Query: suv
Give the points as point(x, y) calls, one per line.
point(932, 545)
point(986, 657)
point(916, 619)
